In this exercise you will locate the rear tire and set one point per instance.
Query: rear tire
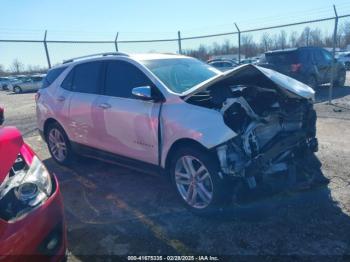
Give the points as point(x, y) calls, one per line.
point(59, 144)
point(195, 177)
point(312, 82)
point(17, 90)
point(340, 82)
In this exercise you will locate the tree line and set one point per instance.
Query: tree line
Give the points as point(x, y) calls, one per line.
point(267, 42)
point(249, 47)
point(18, 68)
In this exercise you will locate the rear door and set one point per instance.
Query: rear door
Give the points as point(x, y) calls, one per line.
point(26, 84)
point(327, 57)
point(37, 82)
point(128, 126)
point(323, 66)
point(85, 84)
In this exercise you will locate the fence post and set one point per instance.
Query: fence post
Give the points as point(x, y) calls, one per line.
point(333, 55)
point(47, 51)
point(116, 42)
point(179, 41)
point(239, 43)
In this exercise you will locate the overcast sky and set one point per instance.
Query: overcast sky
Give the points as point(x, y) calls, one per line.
point(100, 20)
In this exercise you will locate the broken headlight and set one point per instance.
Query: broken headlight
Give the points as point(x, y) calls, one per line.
point(25, 187)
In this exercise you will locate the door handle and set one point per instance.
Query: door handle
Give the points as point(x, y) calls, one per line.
point(61, 98)
point(105, 106)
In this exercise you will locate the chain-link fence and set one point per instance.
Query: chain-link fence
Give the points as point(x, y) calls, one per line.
point(240, 43)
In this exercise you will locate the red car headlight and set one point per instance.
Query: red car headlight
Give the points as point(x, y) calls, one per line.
point(25, 187)
point(35, 187)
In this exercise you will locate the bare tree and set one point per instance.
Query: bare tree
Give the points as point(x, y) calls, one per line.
point(266, 41)
point(248, 46)
point(282, 39)
point(2, 70)
point(304, 39)
point(344, 35)
point(17, 67)
point(316, 37)
point(293, 39)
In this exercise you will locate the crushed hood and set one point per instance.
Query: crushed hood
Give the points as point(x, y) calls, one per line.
point(10, 144)
point(288, 85)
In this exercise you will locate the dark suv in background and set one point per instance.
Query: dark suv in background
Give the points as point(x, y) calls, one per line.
point(310, 65)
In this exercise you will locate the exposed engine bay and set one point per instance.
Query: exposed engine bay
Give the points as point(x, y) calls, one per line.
point(275, 128)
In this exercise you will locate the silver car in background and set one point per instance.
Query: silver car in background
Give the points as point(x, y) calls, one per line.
point(27, 84)
point(4, 81)
point(223, 64)
point(345, 59)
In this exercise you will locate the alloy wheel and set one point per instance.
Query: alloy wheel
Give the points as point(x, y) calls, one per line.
point(57, 144)
point(193, 182)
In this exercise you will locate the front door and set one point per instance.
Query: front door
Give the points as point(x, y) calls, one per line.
point(130, 125)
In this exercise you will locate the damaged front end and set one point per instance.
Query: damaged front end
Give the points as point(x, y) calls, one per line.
point(274, 121)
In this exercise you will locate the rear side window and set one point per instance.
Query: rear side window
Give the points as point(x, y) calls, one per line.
point(327, 56)
point(319, 58)
point(52, 76)
point(37, 78)
point(282, 58)
point(122, 77)
point(68, 81)
point(86, 78)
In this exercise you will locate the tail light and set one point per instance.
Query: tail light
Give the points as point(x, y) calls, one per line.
point(37, 96)
point(2, 116)
point(295, 67)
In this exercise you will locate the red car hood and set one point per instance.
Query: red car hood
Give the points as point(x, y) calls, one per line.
point(11, 142)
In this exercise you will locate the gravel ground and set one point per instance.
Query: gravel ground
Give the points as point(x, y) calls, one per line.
point(115, 211)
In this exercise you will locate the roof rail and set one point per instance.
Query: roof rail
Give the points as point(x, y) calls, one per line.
point(95, 55)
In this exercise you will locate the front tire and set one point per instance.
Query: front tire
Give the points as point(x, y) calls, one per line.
point(59, 144)
point(195, 177)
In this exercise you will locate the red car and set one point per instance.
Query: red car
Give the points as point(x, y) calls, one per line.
point(31, 211)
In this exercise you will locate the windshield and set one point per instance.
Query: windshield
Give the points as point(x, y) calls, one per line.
point(180, 74)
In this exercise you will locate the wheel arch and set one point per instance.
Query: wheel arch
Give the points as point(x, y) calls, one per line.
point(49, 122)
point(184, 142)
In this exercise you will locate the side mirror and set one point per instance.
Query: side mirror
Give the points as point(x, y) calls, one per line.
point(142, 92)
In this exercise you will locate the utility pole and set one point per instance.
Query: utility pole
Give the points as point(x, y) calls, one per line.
point(239, 43)
point(333, 55)
point(46, 50)
point(116, 42)
point(179, 41)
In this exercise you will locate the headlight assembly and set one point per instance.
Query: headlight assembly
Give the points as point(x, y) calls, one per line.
point(35, 187)
point(25, 187)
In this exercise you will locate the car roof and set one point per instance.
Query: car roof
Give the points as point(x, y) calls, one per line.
point(111, 56)
point(221, 60)
point(292, 49)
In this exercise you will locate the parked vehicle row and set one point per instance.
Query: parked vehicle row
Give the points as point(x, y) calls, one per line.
point(22, 83)
point(31, 212)
point(214, 134)
point(223, 64)
point(345, 58)
point(310, 65)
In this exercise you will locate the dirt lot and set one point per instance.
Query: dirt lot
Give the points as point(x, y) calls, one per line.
point(112, 210)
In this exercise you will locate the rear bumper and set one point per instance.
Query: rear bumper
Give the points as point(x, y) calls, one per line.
point(39, 236)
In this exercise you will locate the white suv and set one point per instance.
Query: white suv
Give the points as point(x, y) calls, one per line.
point(212, 132)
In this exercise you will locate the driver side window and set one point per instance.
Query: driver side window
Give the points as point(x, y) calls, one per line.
point(122, 77)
